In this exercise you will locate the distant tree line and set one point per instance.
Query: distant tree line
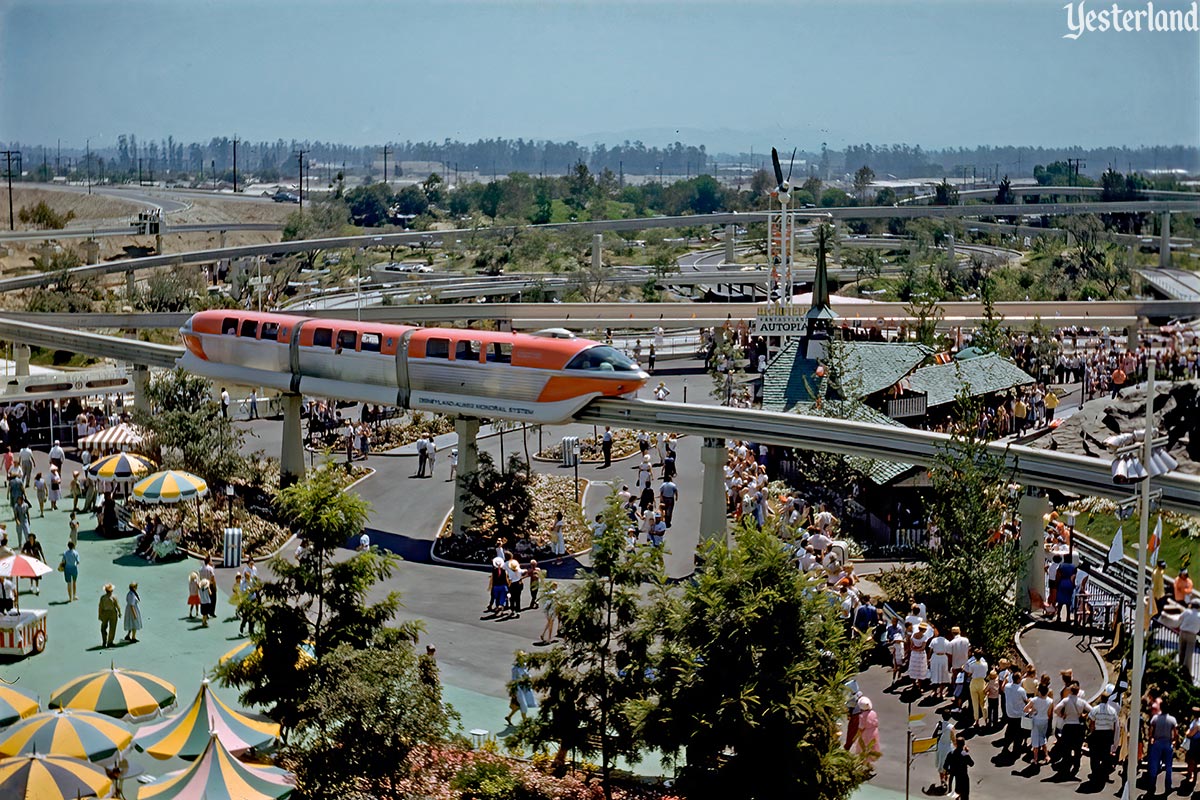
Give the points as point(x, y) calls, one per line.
point(277, 160)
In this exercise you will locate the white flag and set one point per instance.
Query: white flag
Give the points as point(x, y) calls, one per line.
point(1118, 548)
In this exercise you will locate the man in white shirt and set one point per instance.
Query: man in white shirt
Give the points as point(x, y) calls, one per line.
point(1189, 626)
point(56, 455)
point(224, 402)
point(960, 648)
point(1103, 719)
point(808, 559)
point(819, 542)
point(1015, 698)
point(1073, 711)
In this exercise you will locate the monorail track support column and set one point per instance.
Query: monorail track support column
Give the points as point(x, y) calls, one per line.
point(141, 381)
point(1033, 509)
point(291, 459)
point(467, 431)
point(730, 244)
point(1164, 242)
point(597, 250)
point(21, 360)
point(713, 523)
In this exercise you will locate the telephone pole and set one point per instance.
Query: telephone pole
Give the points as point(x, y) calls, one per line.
point(1077, 164)
point(300, 186)
point(89, 166)
point(386, 150)
point(235, 144)
point(8, 155)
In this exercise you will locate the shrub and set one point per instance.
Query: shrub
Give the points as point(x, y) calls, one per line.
point(486, 780)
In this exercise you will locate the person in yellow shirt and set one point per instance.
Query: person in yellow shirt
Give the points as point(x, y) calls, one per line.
point(1020, 414)
point(1051, 403)
point(1157, 587)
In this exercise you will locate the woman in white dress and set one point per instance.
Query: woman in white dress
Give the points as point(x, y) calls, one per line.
point(939, 665)
point(918, 656)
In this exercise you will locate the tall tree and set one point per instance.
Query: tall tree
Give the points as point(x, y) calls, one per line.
point(863, 178)
point(594, 681)
point(749, 678)
point(315, 605)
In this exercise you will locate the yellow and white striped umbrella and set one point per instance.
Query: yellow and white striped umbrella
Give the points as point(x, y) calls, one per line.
point(67, 732)
point(119, 693)
point(170, 486)
point(51, 778)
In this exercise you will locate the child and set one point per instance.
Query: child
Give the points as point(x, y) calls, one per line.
point(535, 583)
point(206, 601)
point(897, 657)
point(453, 464)
point(993, 699)
point(193, 600)
point(74, 535)
point(55, 488)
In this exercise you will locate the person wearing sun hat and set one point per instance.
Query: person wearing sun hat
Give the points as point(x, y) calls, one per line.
point(109, 613)
point(918, 657)
point(866, 738)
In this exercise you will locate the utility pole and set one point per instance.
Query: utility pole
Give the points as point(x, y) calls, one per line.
point(89, 166)
point(386, 150)
point(300, 186)
point(139, 170)
point(1072, 181)
point(8, 155)
point(235, 144)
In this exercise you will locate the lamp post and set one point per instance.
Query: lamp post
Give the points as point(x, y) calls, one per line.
point(1071, 517)
point(1126, 469)
point(229, 497)
point(575, 450)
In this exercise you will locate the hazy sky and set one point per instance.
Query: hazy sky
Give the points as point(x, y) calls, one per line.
point(791, 72)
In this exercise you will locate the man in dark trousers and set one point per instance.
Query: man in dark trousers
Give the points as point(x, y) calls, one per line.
point(957, 766)
point(606, 445)
point(422, 456)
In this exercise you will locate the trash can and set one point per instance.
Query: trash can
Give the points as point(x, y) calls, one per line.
point(233, 547)
point(569, 443)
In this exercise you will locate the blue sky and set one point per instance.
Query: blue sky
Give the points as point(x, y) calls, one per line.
point(792, 72)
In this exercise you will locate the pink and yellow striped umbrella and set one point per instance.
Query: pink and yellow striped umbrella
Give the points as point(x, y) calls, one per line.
point(217, 775)
point(187, 735)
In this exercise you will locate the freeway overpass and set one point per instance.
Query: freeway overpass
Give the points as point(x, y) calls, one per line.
point(1046, 468)
point(97, 233)
point(1055, 191)
point(705, 220)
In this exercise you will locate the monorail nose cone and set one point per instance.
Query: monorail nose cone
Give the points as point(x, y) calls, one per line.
point(643, 376)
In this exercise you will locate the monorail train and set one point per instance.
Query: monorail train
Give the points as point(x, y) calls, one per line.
point(544, 377)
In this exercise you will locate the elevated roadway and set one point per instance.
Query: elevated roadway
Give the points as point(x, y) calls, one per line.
point(128, 230)
point(1055, 191)
point(599, 226)
point(1046, 468)
point(527, 316)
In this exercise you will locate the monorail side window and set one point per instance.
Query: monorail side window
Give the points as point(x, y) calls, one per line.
point(346, 340)
point(323, 337)
point(249, 328)
point(370, 342)
point(467, 350)
point(437, 348)
point(602, 357)
point(229, 326)
point(500, 352)
point(270, 330)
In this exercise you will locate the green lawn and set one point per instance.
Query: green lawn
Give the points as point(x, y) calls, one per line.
point(1177, 544)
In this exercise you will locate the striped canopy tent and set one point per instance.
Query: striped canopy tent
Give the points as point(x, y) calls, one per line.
point(49, 777)
point(67, 732)
point(217, 775)
point(16, 704)
point(249, 648)
point(118, 437)
point(187, 735)
point(120, 467)
point(120, 693)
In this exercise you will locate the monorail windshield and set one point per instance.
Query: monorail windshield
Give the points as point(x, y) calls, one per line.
point(602, 357)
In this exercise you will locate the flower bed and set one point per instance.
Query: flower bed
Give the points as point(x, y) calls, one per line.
point(443, 772)
point(397, 433)
point(254, 512)
point(551, 493)
point(625, 444)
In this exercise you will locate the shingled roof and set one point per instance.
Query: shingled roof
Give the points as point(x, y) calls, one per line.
point(880, 472)
point(876, 366)
point(942, 383)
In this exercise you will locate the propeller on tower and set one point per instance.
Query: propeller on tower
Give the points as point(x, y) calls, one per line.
point(778, 168)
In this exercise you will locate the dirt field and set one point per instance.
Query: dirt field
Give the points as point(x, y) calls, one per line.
point(91, 208)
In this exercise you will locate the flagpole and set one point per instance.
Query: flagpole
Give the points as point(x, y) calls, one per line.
point(1139, 632)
